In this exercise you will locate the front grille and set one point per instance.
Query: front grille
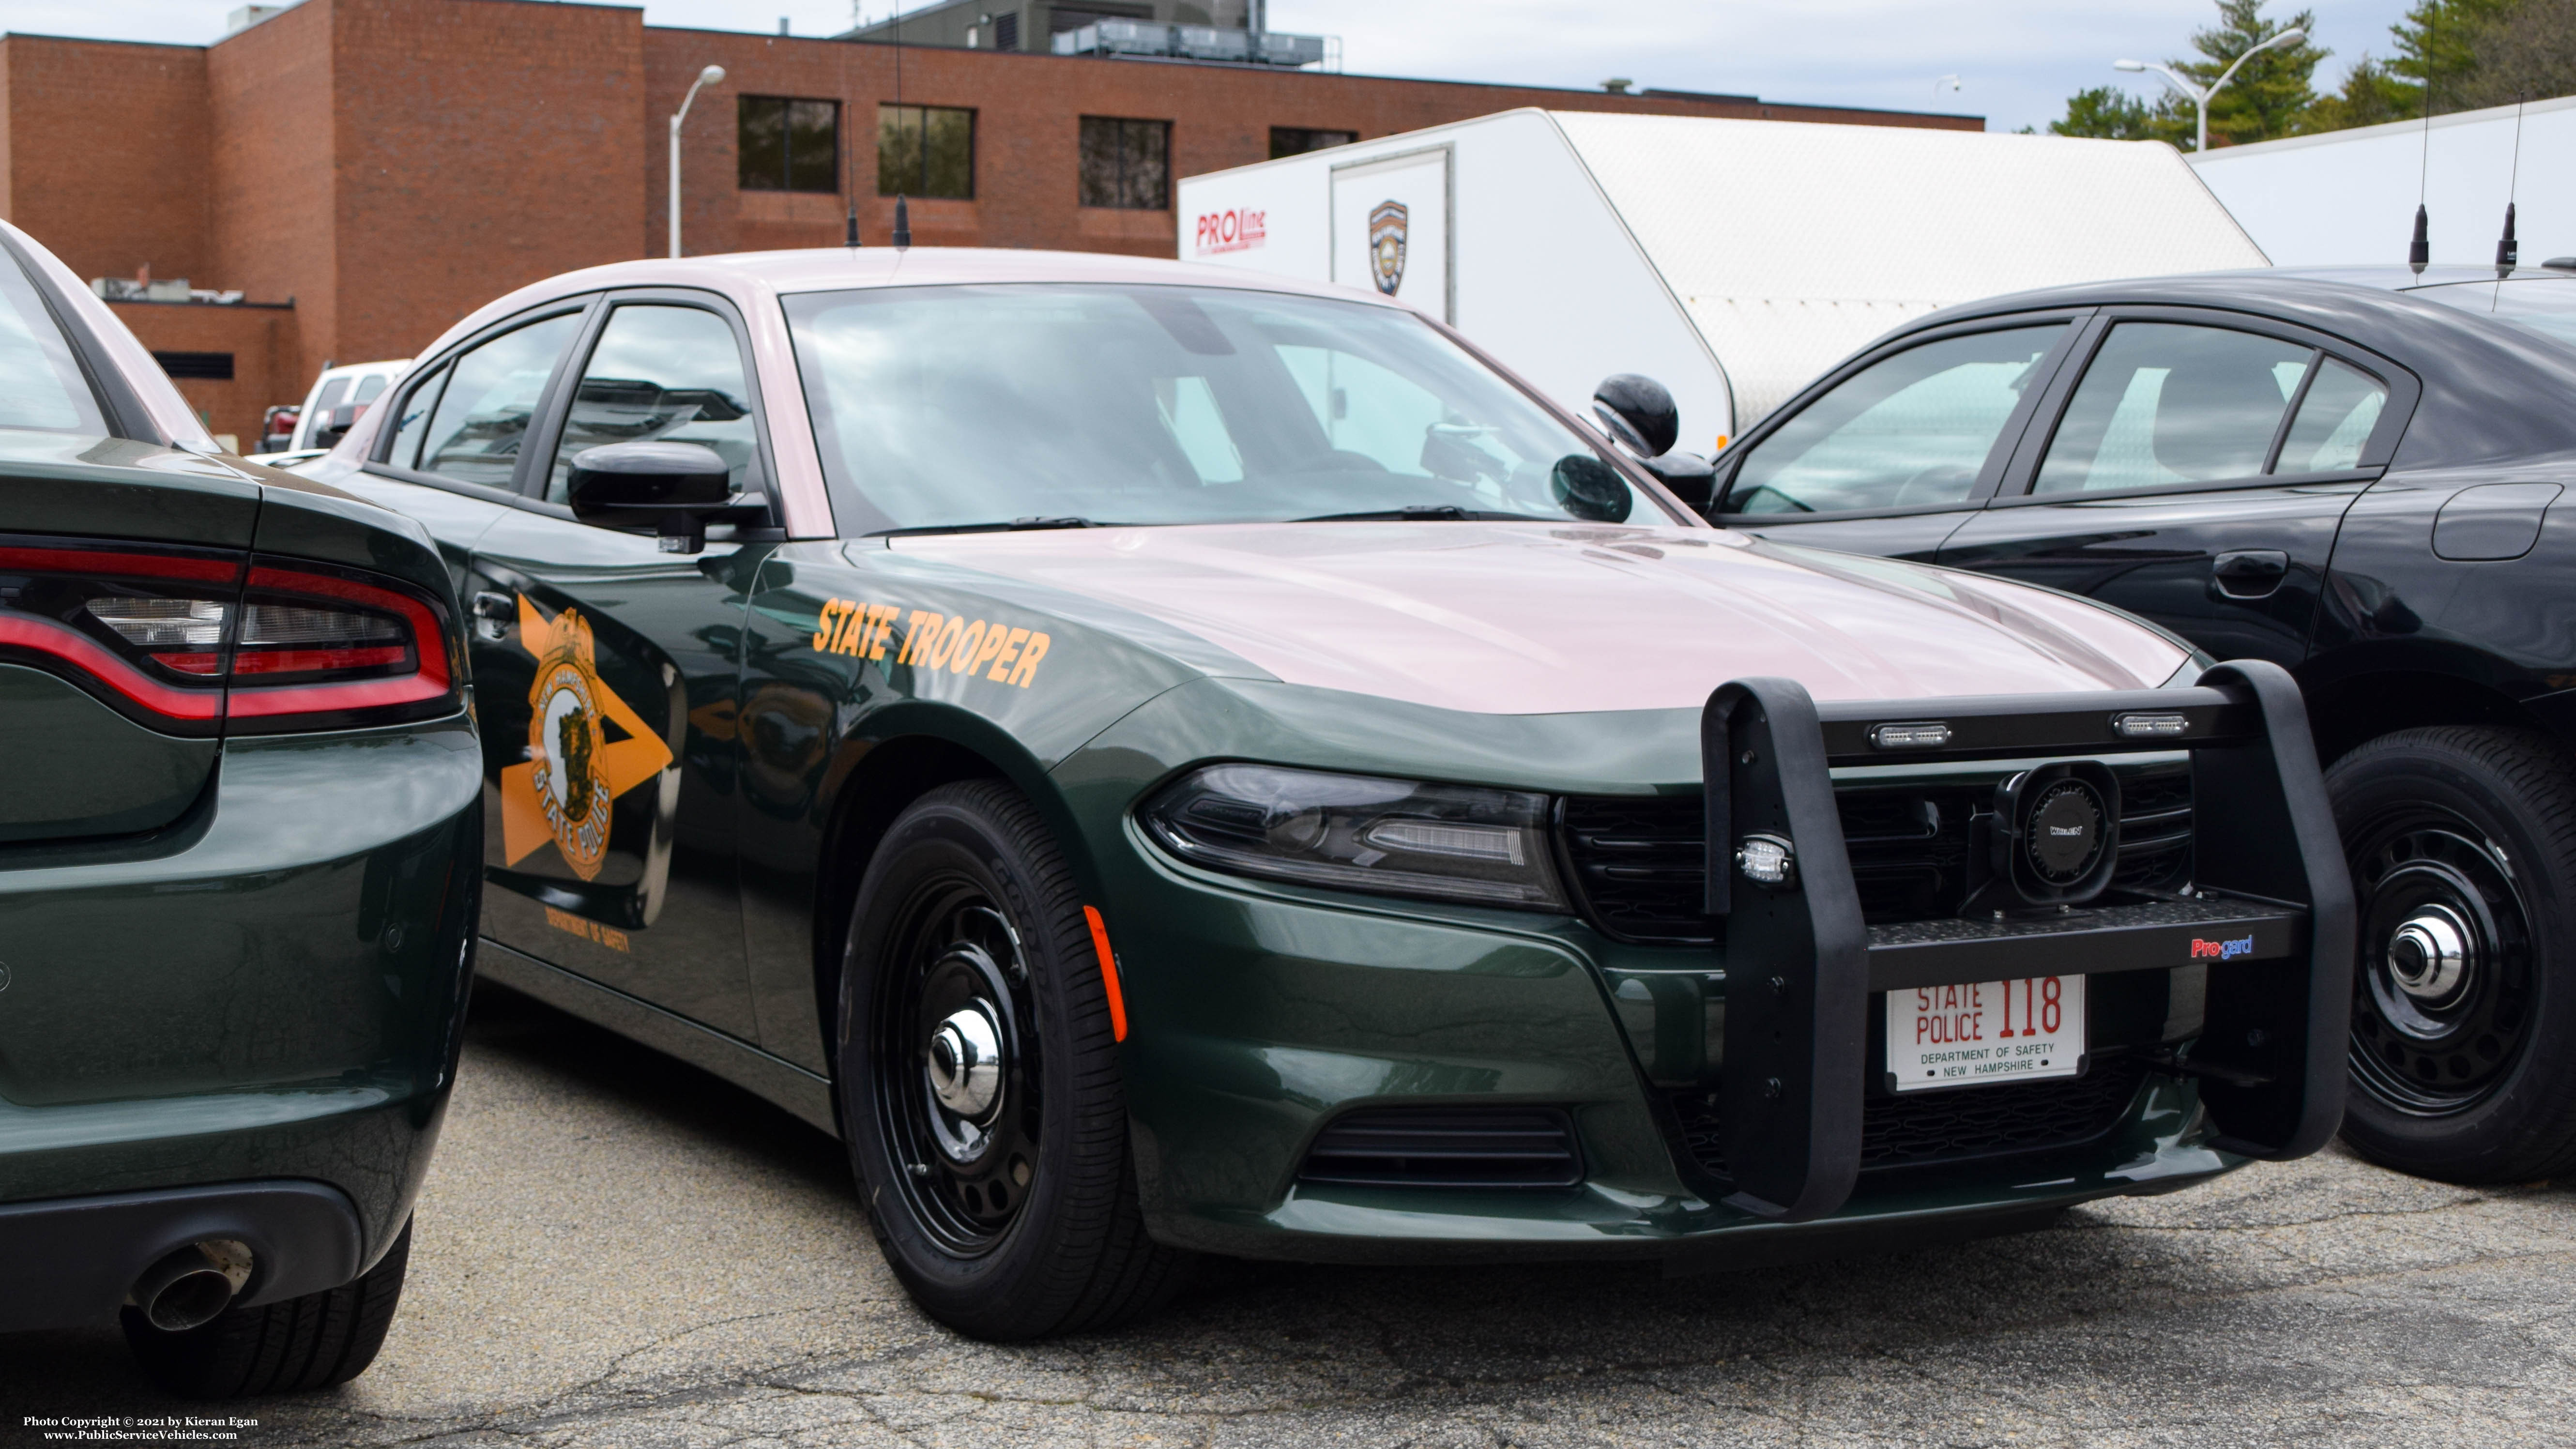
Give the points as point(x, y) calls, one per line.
point(1637, 861)
point(1446, 1147)
point(1919, 1129)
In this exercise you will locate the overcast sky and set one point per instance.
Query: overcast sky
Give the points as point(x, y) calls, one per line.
point(2016, 60)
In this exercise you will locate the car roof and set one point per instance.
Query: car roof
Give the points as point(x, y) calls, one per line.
point(829, 269)
point(2491, 389)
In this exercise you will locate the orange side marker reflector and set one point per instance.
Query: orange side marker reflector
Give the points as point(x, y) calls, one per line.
point(1108, 974)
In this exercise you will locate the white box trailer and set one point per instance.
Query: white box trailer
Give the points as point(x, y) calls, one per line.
point(2344, 198)
point(1730, 260)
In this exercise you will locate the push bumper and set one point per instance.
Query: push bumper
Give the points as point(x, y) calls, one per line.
point(1802, 963)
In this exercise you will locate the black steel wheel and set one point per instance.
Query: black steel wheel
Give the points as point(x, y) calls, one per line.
point(2462, 844)
point(958, 1081)
point(979, 1081)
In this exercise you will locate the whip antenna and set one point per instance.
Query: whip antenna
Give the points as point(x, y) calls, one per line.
point(2509, 251)
point(849, 153)
point(2419, 253)
point(902, 216)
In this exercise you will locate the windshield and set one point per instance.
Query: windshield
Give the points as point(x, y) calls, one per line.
point(2546, 305)
point(967, 406)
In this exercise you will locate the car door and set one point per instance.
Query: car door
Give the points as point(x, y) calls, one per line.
point(1892, 451)
point(606, 667)
point(2196, 474)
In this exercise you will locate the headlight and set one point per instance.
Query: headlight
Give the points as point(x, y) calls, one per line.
point(1352, 832)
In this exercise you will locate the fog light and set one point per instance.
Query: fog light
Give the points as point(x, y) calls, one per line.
point(2150, 726)
point(1767, 861)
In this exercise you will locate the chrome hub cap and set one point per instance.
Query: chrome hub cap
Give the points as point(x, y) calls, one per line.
point(2429, 956)
point(966, 1062)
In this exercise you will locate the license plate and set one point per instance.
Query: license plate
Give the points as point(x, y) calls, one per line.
point(1988, 1031)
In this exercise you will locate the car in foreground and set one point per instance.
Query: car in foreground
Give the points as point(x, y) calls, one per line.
point(240, 835)
point(1163, 761)
point(2358, 475)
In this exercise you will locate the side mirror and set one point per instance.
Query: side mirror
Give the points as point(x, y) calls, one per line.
point(1590, 489)
point(1688, 476)
point(678, 487)
point(1638, 413)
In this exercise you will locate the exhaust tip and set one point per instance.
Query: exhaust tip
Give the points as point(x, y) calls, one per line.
point(191, 1286)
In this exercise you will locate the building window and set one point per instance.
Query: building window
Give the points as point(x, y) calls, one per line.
point(1298, 140)
point(1126, 164)
point(783, 144)
point(926, 151)
point(1006, 31)
point(211, 366)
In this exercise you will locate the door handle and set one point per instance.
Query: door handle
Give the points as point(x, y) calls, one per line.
point(2250, 573)
point(493, 616)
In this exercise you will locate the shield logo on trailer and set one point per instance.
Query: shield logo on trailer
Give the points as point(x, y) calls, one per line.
point(1386, 245)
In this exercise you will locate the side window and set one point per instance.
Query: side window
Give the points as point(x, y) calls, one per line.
point(1910, 429)
point(413, 424)
point(491, 396)
point(663, 374)
point(2166, 403)
point(2334, 422)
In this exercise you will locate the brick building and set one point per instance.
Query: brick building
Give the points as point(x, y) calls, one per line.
point(366, 172)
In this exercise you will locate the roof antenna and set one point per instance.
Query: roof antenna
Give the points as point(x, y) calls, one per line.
point(849, 153)
point(2509, 251)
point(902, 215)
point(2419, 253)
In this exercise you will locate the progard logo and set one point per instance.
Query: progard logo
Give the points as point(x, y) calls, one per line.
point(1236, 230)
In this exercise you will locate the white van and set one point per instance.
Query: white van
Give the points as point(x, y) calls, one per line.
point(1729, 260)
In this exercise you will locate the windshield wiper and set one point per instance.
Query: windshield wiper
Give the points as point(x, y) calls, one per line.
point(1418, 513)
point(1015, 525)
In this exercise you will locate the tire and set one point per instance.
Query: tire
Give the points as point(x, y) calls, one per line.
point(1008, 1208)
point(312, 1342)
point(2462, 843)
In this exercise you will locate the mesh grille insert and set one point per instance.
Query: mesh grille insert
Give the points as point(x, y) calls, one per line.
point(1446, 1147)
point(1919, 1129)
point(1636, 861)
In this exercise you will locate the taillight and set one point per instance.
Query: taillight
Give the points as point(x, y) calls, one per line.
point(142, 631)
point(160, 634)
point(317, 649)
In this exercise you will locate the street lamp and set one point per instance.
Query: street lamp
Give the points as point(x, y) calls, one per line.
point(2199, 97)
point(712, 75)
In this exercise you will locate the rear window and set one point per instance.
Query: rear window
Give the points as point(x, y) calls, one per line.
point(2546, 305)
point(41, 387)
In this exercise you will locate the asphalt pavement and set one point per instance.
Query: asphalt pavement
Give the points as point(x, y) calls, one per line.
point(616, 1249)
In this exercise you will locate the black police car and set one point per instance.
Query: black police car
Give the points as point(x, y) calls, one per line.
point(2367, 477)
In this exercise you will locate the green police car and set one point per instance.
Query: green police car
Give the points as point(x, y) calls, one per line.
point(240, 825)
point(1164, 762)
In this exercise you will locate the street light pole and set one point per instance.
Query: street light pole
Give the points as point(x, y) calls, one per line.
point(710, 76)
point(2199, 97)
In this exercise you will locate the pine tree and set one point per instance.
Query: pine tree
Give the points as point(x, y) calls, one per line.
point(2273, 91)
point(2114, 114)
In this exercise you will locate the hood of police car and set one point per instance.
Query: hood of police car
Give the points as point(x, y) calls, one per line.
point(1536, 618)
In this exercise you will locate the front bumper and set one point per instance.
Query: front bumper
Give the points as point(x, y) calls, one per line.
point(270, 991)
point(1266, 1014)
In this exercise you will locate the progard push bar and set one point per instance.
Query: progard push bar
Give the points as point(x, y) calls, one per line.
point(1801, 963)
